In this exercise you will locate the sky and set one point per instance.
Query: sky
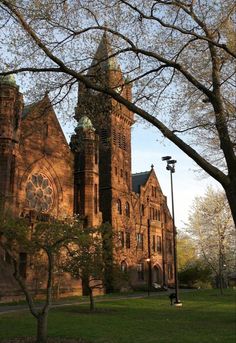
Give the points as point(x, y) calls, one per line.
point(148, 147)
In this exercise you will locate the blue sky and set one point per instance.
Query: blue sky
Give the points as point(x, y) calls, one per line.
point(148, 147)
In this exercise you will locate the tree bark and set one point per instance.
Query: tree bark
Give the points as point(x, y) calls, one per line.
point(42, 320)
point(230, 191)
point(92, 307)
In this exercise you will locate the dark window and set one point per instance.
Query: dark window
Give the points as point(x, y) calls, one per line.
point(127, 209)
point(127, 240)
point(140, 241)
point(22, 264)
point(119, 208)
point(159, 248)
point(116, 172)
point(142, 209)
point(95, 198)
point(122, 238)
point(114, 136)
point(140, 271)
point(123, 142)
point(153, 243)
point(158, 215)
point(96, 156)
point(169, 246)
point(170, 271)
point(126, 176)
point(104, 136)
point(121, 173)
point(120, 140)
point(12, 173)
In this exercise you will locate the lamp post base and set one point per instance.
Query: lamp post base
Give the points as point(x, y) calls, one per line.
point(178, 304)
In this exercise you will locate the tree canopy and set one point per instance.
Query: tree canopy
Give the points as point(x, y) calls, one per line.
point(178, 55)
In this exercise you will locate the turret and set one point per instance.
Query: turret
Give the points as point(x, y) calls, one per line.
point(11, 105)
point(84, 144)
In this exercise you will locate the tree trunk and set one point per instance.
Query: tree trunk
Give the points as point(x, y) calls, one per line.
point(230, 191)
point(42, 327)
point(92, 307)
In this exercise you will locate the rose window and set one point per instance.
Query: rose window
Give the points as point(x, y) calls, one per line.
point(39, 193)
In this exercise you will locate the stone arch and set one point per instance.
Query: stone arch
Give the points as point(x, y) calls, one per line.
point(157, 274)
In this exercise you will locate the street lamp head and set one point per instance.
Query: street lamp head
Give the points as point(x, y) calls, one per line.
point(171, 161)
point(166, 158)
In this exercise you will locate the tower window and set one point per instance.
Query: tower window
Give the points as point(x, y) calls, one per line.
point(159, 244)
point(140, 241)
point(153, 243)
point(114, 136)
point(122, 238)
point(116, 171)
point(169, 246)
point(95, 198)
point(96, 156)
point(170, 271)
point(121, 173)
point(127, 240)
point(119, 207)
point(127, 209)
point(104, 136)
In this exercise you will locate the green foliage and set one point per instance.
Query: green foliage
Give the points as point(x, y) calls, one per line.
point(195, 274)
point(85, 258)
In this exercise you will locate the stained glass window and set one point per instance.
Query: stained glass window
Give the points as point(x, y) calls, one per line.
point(39, 193)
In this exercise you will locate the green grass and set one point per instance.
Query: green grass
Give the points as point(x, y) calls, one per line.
point(205, 317)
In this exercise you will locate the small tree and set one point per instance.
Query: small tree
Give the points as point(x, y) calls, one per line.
point(46, 238)
point(85, 261)
point(212, 228)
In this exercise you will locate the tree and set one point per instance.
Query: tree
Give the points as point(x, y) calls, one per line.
point(179, 54)
point(186, 251)
point(211, 226)
point(85, 261)
point(192, 269)
point(46, 239)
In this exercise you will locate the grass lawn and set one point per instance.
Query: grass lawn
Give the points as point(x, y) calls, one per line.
point(206, 317)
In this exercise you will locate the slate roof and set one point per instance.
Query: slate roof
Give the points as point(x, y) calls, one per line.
point(139, 179)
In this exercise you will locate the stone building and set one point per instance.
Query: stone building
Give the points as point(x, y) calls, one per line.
point(41, 173)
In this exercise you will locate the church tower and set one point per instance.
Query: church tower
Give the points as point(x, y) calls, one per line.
point(84, 144)
point(112, 122)
point(11, 105)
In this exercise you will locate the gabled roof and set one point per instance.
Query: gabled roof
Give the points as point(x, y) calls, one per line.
point(139, 179)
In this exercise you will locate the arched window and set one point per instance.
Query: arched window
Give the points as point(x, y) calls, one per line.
point(127, 209)
point(157, 275)
point(119, 207)
point(123, 267)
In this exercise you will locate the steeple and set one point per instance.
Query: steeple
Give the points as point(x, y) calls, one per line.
point(105, 68)
point(102, 56)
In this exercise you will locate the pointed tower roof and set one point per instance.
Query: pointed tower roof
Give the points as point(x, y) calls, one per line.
point(85, 124)
point(102, 59)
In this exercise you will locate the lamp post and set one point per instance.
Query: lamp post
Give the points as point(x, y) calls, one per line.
point(149, 259)
point(171, 167)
